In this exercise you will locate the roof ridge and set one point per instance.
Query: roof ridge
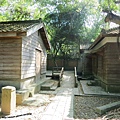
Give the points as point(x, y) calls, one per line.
point(18, 25)
point(22, 21)
point(112, 29)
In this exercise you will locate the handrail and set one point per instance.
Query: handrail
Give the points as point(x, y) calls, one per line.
point(59, 72)
point(75, 77)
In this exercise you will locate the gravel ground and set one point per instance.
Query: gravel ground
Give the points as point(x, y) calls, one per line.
point(30, 112)
point(84, 108)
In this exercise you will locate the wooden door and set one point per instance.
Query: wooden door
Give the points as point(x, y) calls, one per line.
point(38, 65)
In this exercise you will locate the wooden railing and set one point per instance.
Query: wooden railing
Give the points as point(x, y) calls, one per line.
point(75, 77)
point(61, 73)
point(57, 73)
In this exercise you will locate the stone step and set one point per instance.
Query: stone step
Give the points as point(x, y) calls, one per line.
point(47, 85)
point(23, 94)
point(92, 83)
point(55, 86)
point(50, 85)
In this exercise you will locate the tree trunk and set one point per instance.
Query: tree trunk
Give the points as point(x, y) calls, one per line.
point(112, 18)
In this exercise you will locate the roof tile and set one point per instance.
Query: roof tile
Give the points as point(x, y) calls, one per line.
point(14, 26)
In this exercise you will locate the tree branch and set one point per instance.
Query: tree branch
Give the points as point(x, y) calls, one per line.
point(112, 18)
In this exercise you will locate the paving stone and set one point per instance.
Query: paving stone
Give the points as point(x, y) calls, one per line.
point(60, 107)
point(94, 90)
point(46, 117)
point(63, 107)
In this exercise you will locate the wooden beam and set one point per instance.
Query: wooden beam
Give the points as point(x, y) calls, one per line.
point(8, 34)
point(103, 42)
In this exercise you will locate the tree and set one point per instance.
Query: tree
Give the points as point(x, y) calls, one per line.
point(21, 10)
point(68, 26)
point(64, 28)
point(69, 23)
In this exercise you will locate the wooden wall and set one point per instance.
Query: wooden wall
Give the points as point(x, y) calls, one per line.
point(18, 60)
point(106, 67)
point(112, 53)
point(94, 64)
point(10, 58)
point(86, 65)
point(29, 46)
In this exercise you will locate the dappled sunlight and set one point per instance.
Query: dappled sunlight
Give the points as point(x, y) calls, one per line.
point(68, 80)
point(61, 106)
point(65, 91)
point(66, 77)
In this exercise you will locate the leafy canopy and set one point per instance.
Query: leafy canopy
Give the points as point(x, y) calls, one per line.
point(69, 23)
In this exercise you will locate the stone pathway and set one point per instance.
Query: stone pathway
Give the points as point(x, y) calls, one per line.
point(61, 108)
point(48, 106)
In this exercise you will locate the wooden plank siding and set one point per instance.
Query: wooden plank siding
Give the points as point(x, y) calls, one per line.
point(106, 51)
point(67, 64)
point(10, 58)
point(112, 63)
point(107, 66)
point(86, 65)
point(100, 70)
point(94, 65)
point(29, 45)
point(43, 64)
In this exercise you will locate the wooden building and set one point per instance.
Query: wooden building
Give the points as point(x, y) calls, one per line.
point(23, 46)
point(105, 52)
point(85, 61)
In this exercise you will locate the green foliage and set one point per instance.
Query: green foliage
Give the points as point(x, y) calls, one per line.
point(69, 23)
point(3, 3)
point(19, 10)
point(109, 5)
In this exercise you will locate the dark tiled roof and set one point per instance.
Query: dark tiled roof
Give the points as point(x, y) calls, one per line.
point(23, 26)
point(14, 26)
point(113, 31)
point(106, 33)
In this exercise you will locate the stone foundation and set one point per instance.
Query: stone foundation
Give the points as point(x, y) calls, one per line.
point(110, 88)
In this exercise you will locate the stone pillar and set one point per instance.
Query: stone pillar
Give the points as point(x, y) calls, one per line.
point(8, 103)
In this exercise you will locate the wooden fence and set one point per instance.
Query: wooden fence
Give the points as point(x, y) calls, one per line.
point(67, 64)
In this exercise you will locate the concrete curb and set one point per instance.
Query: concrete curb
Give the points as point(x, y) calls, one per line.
point(105, 108)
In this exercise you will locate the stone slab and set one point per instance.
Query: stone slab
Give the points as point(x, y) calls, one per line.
point(105, 108)
point(94, 90)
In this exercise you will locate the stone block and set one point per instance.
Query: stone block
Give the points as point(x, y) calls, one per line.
point(105, 108)
point(21, 95)
point(8, 103)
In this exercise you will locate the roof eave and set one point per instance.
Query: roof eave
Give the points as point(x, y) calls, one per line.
point(13, 34)
point(101, 37)
point(45, 38)
point(34, 29)
point(114, 32)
